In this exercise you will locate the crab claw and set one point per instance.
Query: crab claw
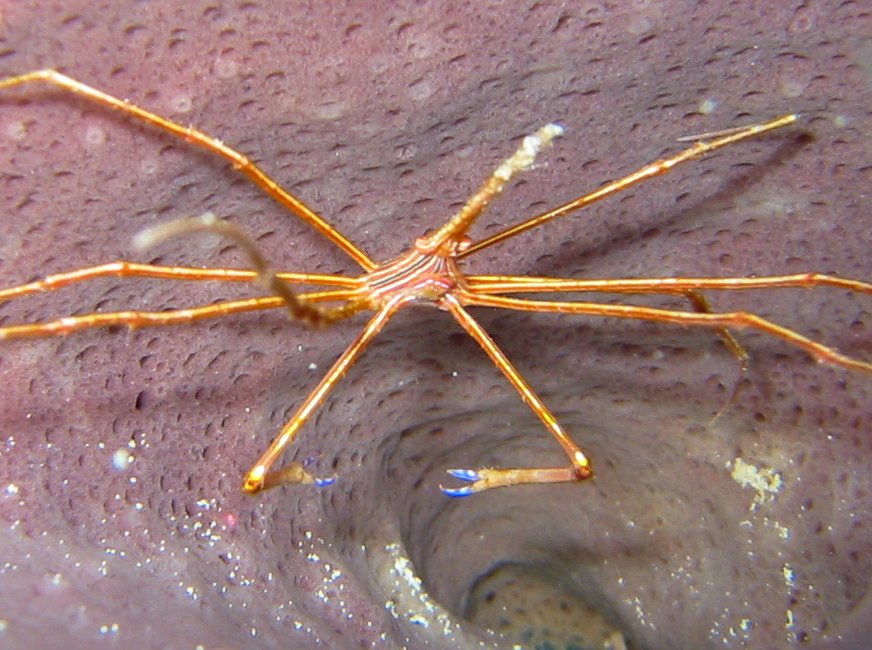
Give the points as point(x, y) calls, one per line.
point(324, 482)
point(468, 475)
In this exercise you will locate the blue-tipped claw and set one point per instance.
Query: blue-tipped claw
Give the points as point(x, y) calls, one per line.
point(464, 491)
point(468, 475)
point(324, 482)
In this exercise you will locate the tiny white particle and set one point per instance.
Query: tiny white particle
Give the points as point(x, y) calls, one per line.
point(181, 104)
point(94, 136)
point(226, 68)
point(121, 459)
point(16, 130)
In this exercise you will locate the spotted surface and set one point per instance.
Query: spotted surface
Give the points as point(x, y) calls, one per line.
point(123, 452)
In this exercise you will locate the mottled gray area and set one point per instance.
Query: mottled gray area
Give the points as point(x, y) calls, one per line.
point(384, 120)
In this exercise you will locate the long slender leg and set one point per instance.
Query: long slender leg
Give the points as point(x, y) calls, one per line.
point(204, 141)
point(491, 284)
point(689, 287)
point(125, 269)
point(485, 479)
point(651, 170)
point(732, 320)
point(135, 319)
point(260, 477)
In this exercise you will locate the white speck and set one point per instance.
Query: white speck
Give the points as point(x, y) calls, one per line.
point(121, 459)
point(313, 366)
point(789, 574)
point(330, 110)
point(406, 151)
point(181, 104)
point(16, 130)
point(767, 482)
point(792, 87)
point(12, 489)
point(226, 68)
point(94, 136)
point(148, 166)
point(420, 90)
point(109, 629)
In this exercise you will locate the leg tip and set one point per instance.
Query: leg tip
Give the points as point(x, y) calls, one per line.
point(468, 475)
point(252, 486)
point(464, 491)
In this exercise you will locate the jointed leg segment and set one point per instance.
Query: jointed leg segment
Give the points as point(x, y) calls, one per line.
point(656, 168)
point(484, 479)
point(731, 320)
point(301, 310)
point(204, 141)
point(124, 269)
point(260, 477)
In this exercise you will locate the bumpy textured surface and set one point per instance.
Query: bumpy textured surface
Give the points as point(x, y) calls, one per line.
point(384, 120)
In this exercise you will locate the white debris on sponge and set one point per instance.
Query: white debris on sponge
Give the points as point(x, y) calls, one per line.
point(525, 156)
point(767, 482)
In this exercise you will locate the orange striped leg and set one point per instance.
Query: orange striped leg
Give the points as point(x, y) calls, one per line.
point(488, 478)
point(204, 141)
point(732, 320)
point(447, 237)
point(125, 269)
point(260, 476)
point(689, 287)
point(656, 168)
point(135, 319)
point(207, 222)
point(490, 284)
point(686, 287)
